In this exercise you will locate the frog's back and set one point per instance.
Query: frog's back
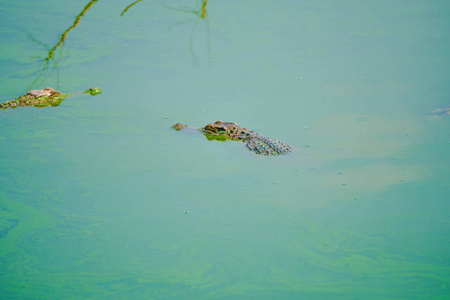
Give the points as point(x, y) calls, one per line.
point(267, 146)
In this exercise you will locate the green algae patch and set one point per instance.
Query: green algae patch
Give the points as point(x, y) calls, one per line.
point(18, 221)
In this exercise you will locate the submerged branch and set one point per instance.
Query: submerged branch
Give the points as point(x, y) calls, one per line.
point(129, 6)
point(203, 15)
point(75, 24)
point(45, 70)
point(200, 13)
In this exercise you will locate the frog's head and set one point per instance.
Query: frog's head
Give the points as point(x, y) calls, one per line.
point(221, 128)
point(178, 126)
point(94, 91)
point(226, 129)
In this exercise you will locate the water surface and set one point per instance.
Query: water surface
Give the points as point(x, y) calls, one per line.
point(95, 192)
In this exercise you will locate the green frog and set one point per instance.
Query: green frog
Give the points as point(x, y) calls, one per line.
point(45, 97)
point(256, 143)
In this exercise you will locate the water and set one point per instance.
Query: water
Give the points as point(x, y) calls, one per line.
point(101, 199)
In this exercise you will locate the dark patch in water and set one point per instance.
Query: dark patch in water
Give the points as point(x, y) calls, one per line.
point(12, 223)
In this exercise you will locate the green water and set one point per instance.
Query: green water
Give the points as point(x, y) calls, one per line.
point(95, 192)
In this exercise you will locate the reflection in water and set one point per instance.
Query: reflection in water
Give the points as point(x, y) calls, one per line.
point(129, 6)
point(200, 13)
point(46, 71)
point(442, 111)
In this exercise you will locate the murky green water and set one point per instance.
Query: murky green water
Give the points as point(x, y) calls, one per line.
point(94, 192)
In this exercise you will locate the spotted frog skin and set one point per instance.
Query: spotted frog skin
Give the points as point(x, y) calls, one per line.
point(45, 97)
point(256, 143)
